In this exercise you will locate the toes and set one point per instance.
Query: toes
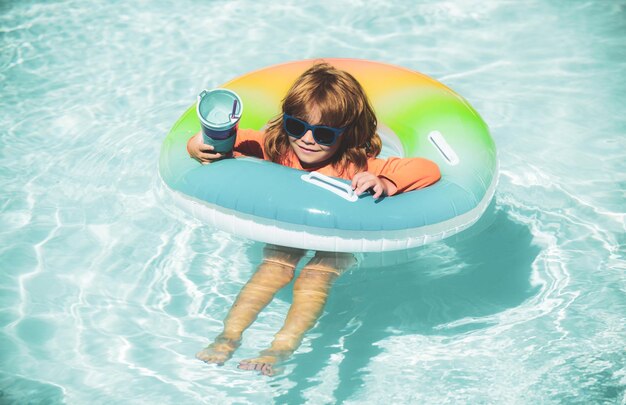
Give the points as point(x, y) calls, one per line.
point(211, 357)
point(267, 370)
point(210, 360)
point(263, 368)
point(246, 365)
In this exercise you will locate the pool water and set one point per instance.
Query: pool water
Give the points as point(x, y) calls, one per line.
point(107, 290)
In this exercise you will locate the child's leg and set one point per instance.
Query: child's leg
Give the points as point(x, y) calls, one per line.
point(309, 297)
point(273, 273)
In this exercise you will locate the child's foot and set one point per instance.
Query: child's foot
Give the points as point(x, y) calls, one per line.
point(219, 351)
point(266, 363)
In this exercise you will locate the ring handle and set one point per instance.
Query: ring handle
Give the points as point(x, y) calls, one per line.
point(333, 185)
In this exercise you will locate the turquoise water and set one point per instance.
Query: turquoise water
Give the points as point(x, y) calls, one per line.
point(106, 292)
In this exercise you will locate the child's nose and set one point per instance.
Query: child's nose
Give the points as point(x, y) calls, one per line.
point(308, 137)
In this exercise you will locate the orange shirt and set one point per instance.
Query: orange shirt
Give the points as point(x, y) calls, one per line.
point(406, 173)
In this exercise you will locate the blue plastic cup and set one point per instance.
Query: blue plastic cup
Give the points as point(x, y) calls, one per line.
point(219, 111)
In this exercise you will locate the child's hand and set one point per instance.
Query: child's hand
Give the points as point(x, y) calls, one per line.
point(364, 181)
point(198, 150)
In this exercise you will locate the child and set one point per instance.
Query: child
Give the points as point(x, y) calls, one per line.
point(327, 125)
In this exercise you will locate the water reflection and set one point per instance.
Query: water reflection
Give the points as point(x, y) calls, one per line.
point(474, 275)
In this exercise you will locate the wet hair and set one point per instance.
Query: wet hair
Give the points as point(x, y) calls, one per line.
point(342, 102)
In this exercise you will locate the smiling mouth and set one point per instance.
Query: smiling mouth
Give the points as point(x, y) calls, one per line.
point(306, 149)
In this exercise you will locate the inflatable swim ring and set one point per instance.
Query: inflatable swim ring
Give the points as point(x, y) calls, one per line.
point(267, 202)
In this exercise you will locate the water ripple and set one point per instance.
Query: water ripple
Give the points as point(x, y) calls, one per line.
point(107, 290)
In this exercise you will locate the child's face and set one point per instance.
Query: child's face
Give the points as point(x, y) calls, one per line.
point(309, 152)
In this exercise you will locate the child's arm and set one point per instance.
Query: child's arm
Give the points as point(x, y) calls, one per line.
point(200, 151)
point(406, 174)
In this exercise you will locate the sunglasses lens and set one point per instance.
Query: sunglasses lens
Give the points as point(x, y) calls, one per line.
point(324, 136)
point(294, 127)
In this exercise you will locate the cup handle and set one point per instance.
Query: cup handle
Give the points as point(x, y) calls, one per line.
point(202, 94)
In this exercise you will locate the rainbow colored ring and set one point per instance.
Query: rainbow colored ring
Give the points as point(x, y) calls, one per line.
point(271, 203)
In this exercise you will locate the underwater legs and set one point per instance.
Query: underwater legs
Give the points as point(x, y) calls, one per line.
point(310, 292)
point(273, 273)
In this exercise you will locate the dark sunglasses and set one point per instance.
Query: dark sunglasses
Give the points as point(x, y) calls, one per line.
point(323, 135)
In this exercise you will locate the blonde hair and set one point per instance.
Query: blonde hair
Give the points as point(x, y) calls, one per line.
point(342, 102)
